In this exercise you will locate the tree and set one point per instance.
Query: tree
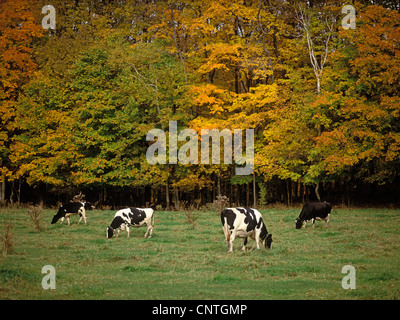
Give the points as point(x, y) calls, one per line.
point(19, 31)
point(318, 30)
point(363, 100)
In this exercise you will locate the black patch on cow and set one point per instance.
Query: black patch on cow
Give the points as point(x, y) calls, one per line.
point(230, 217)
point(250, 218)
point(264, 232)
point(137, 216)
point(117, 222)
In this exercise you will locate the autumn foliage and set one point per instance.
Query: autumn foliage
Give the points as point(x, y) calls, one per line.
point(77, 102)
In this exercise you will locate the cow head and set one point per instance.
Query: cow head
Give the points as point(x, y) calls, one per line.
point(110, 232)
point(299, 223)
point(267, 241)
point(88, 206)
point(61, 213)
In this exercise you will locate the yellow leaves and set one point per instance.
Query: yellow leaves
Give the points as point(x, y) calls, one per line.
point(263, 95)
point(393, 150)
point(207, 94)
point(190, 182)
point(210, 97)
point(221, 56)
point(207, 123)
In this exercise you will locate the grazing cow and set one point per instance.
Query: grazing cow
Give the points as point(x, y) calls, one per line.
point(135, 217)
point(72, 208)
point(314, 211)
point(244, 222)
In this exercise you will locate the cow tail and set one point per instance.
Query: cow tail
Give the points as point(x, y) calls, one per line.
point(152, 220)
point(226, 227)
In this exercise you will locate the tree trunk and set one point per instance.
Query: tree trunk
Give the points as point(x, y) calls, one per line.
point(3, 190)
point(254, 190)
point(12, 192)
point(213, 192)
point(247, 194)
point(19, 191)
point(317, 191)
point(176, 196)
point(167, 205)
point(219, 186)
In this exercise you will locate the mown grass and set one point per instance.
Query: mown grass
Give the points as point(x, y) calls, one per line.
point(189, 261)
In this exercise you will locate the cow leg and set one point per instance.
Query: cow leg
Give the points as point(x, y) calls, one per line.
point(230, 242)
point(257, 238)
point(149, 230)
point(328, 218)
point(313, 222)
point(244, 244)
point(83, 216)
point(127, 230)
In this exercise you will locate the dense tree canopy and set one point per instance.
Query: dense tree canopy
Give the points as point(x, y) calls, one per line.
point(77, 102)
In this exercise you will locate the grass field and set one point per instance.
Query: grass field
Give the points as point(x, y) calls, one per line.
point(189, 260)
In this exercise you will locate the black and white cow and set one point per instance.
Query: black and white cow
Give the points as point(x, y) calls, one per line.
point(72, 208)
point(135, 217)
point(314, 211)
point(243, 223)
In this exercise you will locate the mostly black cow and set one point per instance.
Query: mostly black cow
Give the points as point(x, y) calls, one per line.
point(314, 211)
point(135, 217)
point(243, 223)
point(72, 208)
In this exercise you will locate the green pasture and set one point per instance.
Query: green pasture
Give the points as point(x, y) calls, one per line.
point(187, 258)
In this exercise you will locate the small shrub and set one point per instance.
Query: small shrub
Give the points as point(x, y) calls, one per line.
point(221, 203)
point(35, 214)
point(191, 211)
point(191, 217)
point(7, 238)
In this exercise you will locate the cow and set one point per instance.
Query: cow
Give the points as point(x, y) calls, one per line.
point(242, 223)
point(72, 208)
point(314, 211)
point(135, 217)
